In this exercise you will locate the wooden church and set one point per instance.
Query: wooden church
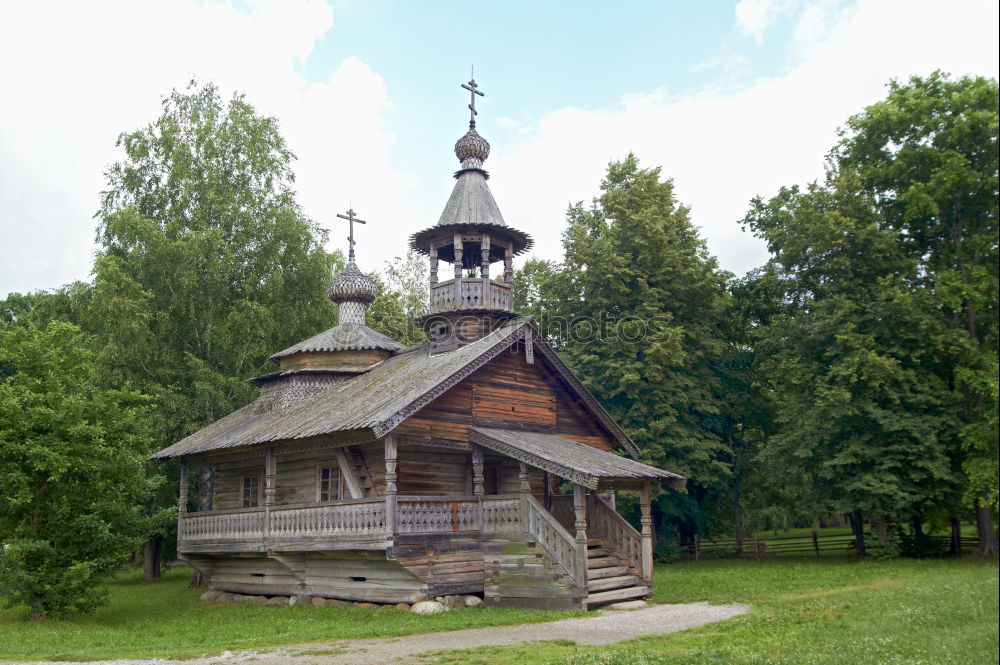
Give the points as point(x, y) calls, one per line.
point(370, 471)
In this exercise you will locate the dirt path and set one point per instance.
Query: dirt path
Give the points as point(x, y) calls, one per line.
point(606, 627)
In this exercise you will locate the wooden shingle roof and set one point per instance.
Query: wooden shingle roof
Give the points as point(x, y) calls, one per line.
point(566, 458)
point(381, 398)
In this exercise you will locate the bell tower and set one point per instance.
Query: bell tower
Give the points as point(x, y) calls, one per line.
point(466, 302)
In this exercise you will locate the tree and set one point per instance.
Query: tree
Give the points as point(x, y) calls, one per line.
point(927, 156)
point(207, 264)
point(72, 471)
point(402, 299)
point(644, 304)
point(853, 363)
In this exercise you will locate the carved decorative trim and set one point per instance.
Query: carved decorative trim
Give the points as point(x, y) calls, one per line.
point(434, 443)
point(324, 445)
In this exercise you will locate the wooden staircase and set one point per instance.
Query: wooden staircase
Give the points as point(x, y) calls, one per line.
point(609, 577)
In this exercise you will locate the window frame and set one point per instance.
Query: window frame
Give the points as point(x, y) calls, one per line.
point(259, 499)
point(329, 464)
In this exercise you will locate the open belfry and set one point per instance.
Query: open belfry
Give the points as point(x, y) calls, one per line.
point(369, 471)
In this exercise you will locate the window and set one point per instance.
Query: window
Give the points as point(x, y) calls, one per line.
point(329, 482)
point(250, 491)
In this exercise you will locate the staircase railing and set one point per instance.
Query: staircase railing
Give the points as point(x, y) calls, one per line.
point(561, 547)
point(604, 522)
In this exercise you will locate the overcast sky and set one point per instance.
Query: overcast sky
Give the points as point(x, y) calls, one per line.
point(732, 99)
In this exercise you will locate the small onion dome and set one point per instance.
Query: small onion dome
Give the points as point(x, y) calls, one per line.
point(472, 145)
point(352, 285)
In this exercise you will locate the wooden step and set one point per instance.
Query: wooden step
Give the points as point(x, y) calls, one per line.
point(608, 583)
point(613, 571)
point(596, 552)
point(595, 542)
point(614, 596)
point(603, 562)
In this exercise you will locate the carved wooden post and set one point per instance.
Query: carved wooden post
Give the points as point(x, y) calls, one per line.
point(458, 257)
point(478, 482)
point(580, 523)
point(508, 264)
point(390, 484)
point(484, 264)
point(647, 534)
point(182, 504)
point(270, 471)
point(182, 498)
point(525, 489)
point(434, 264)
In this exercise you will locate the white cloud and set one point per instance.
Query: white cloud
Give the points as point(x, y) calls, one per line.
point(754, 17)
point(724, 148)
point(78, 73)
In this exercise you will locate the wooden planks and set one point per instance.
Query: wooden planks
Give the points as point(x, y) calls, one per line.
point(507, 392)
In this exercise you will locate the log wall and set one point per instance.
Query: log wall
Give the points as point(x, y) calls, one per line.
point(507, 392)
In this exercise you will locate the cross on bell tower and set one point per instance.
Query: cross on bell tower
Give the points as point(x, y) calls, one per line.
point(472, 87)
point(351, 220)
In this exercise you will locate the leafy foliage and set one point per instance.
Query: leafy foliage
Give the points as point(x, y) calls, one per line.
point(207, 264)
point(72, 472)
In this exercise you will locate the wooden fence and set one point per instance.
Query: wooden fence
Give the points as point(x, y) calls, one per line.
point(815, 545)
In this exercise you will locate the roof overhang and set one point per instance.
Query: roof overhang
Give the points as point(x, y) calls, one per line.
point(577, 462)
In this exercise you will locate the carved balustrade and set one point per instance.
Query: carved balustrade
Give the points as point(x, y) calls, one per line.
point(471, 293)
point(603, 521)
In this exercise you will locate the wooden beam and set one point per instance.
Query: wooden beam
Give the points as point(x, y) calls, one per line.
point(647, 534)
point(580, 523)
point(183, 493)
point(390, 483)
point(353, 486)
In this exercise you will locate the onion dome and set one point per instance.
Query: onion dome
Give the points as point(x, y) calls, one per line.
point(352, 285)
point(472, 150)
point(471, 204)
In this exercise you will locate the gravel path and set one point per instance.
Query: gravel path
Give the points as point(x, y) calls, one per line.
point(605, 627)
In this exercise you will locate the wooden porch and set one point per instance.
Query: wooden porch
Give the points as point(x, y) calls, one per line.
point(570, 555)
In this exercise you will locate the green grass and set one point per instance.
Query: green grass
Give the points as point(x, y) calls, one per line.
point(805, 612)
point(166, 620)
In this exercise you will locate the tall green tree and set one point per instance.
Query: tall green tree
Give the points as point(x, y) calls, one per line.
point(853, 363)
point(642, 304)
point(927, 156)
point(207, 264)
point(72, 471)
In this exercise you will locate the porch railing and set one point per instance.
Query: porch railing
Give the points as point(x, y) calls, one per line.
point(561, 547)
point(362, 519)
point(603, 521)
point(222, 526)
point(357, 519)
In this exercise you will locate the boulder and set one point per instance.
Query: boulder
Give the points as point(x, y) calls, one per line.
point(333, 602)
point(404, 607)
point(299, 600)
point(473, 601)
point(454, 602)
point(224, 598)
point(365, 606)
point(277, 600)
point(316, 601)
point(210, 596)
point(428, 607)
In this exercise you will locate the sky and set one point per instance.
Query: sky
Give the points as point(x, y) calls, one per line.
point(733, 99)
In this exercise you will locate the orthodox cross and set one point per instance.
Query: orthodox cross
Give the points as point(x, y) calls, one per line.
point(351, 220)
point(471, 87)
